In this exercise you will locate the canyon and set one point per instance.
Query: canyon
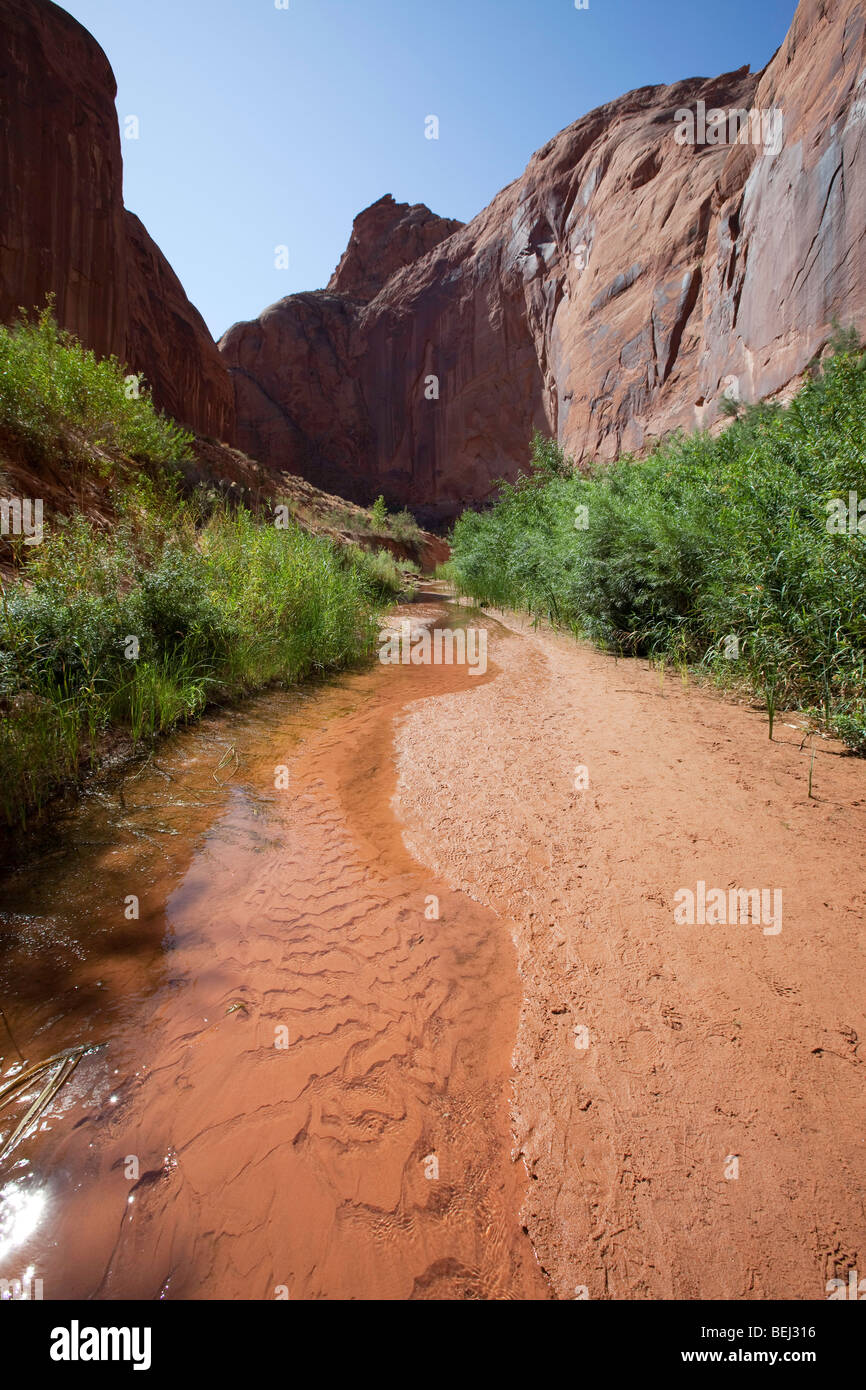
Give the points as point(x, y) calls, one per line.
point(617, 290)
point(405, 1009)
point(614, 292)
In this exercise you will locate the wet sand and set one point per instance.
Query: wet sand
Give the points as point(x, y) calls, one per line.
point(306, 1084)
point(552, 1089)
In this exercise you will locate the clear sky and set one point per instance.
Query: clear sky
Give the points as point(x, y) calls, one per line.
point(263, 127)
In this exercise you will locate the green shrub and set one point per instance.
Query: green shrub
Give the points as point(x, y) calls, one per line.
point(379, 571)
point(217, 610)
point(704, 540)
point(403, 527)
point(180, 603)
point(57, 399)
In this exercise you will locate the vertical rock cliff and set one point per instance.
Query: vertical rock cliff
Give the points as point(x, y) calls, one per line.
point(64, 229)
point(612, 293)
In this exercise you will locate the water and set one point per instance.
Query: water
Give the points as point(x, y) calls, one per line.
point(303, 1084)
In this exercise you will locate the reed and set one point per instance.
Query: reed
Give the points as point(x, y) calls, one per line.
point(706, 537)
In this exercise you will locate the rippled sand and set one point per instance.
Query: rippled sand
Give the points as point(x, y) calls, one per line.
point(311, 1075)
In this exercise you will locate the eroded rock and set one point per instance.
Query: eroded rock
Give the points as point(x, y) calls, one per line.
point(611, 294)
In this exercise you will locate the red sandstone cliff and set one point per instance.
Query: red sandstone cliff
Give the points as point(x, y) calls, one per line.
point(385, 238)
point(63, 226)
point(167, 339)
point(611, 294)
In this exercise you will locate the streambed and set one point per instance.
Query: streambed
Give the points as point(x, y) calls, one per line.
point(300, 1075)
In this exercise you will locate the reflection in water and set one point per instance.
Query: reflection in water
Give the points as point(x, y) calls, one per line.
point(21, 1210)
point(305, 1080)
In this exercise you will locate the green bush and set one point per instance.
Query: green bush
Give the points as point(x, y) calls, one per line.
point(704, 540)
point(378, 570)
point(57, 399)
point(180, 603)
point(403, 527)
point(217, 610)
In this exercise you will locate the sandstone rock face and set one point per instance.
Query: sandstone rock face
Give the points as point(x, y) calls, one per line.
point(386, 237)
point(64, 229)
point(614, 292)
point(60, 212)
point(787, 251)
point(168, 341)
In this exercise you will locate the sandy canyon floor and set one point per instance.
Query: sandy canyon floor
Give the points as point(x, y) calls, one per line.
point(688, 1099)
point(407, 1014)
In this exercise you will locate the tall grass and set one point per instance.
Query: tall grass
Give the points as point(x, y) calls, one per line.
point(180, 603)
point(711, 550)
point(139, 630)
point(58, 400)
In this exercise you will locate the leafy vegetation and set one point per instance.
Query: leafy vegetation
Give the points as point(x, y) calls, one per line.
point(182, 602)
point(140, 629)
point(383, 569)
point(378, 521)
point(711, 551)
point(56, 398)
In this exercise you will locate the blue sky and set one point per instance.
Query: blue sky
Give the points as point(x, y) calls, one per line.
point(262, 127)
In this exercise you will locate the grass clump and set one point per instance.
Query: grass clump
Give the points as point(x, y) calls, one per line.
point(719, 551)
point(403, 527)
point(382, 571)
point(183, 601)
point(378, 521)
point(139, 629)
point(57, 399)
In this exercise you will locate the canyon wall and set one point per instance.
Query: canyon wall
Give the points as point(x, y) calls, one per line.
point(64, 229)
point(617, 290)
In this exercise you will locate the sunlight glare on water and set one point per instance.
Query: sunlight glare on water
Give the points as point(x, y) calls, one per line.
point(21, 1210)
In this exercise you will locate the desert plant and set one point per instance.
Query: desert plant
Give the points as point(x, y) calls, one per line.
point(57, 399)
point(706, 536)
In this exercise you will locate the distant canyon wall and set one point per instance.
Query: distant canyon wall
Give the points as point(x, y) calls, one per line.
point(614, 292)
point(617, 290)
